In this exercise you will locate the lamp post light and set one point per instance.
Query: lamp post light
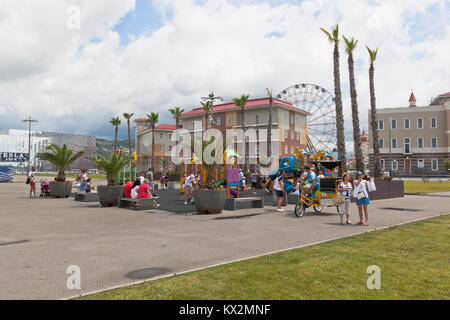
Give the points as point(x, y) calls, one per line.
point(29, 120)
point(212, 97)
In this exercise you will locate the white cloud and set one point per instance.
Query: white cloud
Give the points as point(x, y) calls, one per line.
point(71, 83)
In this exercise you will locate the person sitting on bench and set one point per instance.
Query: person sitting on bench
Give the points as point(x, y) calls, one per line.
point(144, 193)
point(311, 181)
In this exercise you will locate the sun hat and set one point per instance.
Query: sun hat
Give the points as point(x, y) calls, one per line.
point(359, 173)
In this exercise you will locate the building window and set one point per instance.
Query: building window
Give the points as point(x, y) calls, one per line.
point(419, 123)
point(433, 123)
point(394, 143)
point(292, 120)
point(394, 124)
point(407, 145)
point(420, 143)
point(420, 163)
point(381, 143)
point(298, 136)
point(394, 165)
point(292, 150)
point(161, 135)
point(285, 134)
point(229, 119)
point(434, 164)
point(285, 149)
point(218, 121)
point(434, 143)
point(406, 123)
point(297, 121)
point(170, 148)
point(292, 135)
point(286, 119)
point(170, 136)
point(383, 164)
point(161, 148)
point(380, 124)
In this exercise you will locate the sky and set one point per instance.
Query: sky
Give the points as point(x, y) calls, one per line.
point(74, 64)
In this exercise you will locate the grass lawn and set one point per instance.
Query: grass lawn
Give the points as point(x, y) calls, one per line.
point(429, 187)
point(414, 261)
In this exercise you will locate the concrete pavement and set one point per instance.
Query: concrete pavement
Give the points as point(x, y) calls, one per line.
point(41, 238)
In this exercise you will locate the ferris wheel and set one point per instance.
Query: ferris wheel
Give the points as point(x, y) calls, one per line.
point(321, 124)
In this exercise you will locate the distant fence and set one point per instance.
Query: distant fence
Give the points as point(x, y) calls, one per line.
point(6, 173)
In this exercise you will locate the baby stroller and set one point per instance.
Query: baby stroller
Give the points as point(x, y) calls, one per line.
point(45, 188)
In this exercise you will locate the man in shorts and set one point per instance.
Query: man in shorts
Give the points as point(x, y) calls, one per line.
point(149, 177)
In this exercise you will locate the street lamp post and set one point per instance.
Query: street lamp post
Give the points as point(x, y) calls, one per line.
point(212, 97)
point(30, 121)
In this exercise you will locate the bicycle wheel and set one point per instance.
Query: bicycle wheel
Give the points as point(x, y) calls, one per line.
point(299, 210)
point(318, 209)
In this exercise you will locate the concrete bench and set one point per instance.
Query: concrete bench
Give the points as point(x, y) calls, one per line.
point(231, 203)
point(86, 197)
point(144, 204)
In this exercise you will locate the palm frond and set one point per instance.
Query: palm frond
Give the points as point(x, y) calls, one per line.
point(372, 54)
point(350, 44)
point(269, 92)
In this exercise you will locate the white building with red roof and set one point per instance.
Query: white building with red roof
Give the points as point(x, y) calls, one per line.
point(287, 120)
point(163, 146)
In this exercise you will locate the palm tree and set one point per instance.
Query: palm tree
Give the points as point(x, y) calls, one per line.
point(153, 119)
point(333, 37)
point(176, 113)
point(350, 46)
point(60, 157)
point(373, 115)
point(128, 117)
point(112, 167)
point(206, 105)
point(269, 133)
point(241, 102)
point(116, 123)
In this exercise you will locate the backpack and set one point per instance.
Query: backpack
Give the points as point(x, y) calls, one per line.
point(28, 181)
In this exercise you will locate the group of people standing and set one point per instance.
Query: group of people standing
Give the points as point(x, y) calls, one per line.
point(309, 181)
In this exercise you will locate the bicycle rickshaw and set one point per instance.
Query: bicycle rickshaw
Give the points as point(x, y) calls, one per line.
point(326, 195)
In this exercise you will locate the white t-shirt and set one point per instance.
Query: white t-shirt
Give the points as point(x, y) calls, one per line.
point(31, 175)
point(141, 178)
point(362, 187)
point(135, 192)
point(348, 190)
point(277, 185)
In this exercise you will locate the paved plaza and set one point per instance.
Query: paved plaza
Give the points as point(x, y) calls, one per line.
point(41, 238)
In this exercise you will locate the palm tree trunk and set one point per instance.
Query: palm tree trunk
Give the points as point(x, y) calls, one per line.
point(374, 126)
point(115, 138)
point(339, 112)
point(245, 144)
point(269, 133)
point(153, 147)
point(129, 143)
point(355, 115)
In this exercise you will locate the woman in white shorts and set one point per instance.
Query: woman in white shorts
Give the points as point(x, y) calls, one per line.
point(345, 188)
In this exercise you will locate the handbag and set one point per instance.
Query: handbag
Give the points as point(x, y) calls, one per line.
point(371, 186)
point(339, 200)
point(360, 195)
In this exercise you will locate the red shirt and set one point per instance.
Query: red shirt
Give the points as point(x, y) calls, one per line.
point(127, 190)
point(142, 193)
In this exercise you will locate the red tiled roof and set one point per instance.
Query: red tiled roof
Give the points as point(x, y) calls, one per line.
point(412, 98)
point(445, 95)
point(166, 127)
point(231, 106)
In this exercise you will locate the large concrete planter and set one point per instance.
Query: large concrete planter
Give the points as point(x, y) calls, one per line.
point(108, 196)
point(60, 189)
point(210, 201)
point(387, 190)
